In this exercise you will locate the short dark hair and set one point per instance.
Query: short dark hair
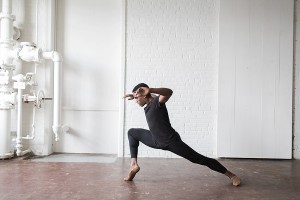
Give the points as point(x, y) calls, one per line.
point(139, 85)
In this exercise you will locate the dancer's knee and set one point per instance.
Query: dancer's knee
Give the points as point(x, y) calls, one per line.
point(131, 132)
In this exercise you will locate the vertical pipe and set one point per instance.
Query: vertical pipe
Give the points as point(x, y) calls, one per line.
point(19, 123)
point(7, 20)
point(57, 60)
point(6, 37)
point(6, 6)
point(57, 99)
point(5, 132)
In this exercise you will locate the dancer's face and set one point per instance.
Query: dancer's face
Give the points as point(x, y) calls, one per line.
point(141, 100)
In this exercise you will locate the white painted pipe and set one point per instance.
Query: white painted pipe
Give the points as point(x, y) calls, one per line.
point(7, 20)
point(20, 84)
point(22, 153)
point(57, 101)
point(19, 145)
point(29, 52)
point(6, 60)
point(28, 137)
point(7, 54)
point(57, 59)
point(6, 6)
point(5, 141)
point(6, 33)
point(38, 97)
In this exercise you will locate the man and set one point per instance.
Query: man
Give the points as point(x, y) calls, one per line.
point(161, 134)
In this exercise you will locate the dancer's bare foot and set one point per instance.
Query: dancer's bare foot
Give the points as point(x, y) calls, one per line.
point(132, 172)
point(236, 181)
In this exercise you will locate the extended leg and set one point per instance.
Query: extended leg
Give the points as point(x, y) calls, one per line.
point(183, 150)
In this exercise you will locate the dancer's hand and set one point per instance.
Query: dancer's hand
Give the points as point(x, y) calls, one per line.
point(128, 96)
point(142, 91)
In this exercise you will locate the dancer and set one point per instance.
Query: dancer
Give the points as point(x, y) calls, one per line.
point(161, 134)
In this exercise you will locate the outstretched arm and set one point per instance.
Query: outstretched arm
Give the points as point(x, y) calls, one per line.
point(165, 93)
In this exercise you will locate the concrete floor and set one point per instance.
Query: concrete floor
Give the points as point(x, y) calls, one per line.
point(158, 179)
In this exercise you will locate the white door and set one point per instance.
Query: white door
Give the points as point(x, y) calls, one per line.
point(255, 79)
point(89, 37)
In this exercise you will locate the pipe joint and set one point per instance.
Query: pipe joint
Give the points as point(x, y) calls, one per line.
point(29, 52)
point(19, 147)
point(19, 78)
point(7, 16)
point(22, 153)
point(29, 98)
point(30, 79)
point(56, 130)
point(57, 57)
point(53, 55)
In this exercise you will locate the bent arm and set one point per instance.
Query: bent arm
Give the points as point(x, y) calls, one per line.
point(165, 93)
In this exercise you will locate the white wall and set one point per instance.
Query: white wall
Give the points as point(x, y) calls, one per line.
point(174, 43)
point(296, 106)
point(255, 79)
point(89, 37)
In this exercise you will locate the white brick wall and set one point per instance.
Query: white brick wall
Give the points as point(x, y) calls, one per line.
point(174, 43)
point(296, 107)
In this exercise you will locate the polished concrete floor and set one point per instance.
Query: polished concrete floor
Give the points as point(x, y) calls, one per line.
point(158, 179)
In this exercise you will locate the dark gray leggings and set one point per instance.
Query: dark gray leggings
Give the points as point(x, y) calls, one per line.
point(136, 135)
